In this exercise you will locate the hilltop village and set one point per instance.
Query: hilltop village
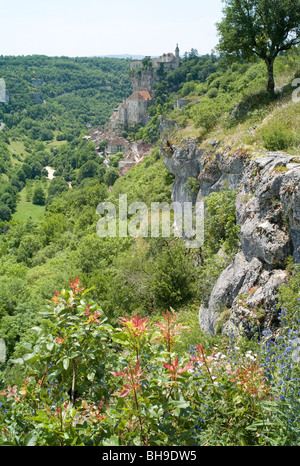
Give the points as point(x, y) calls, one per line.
point(133, 110)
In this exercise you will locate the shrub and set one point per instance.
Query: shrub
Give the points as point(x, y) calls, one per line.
point(277, 138)
point(212, 93)
point(39, 197)
point(88, 383)
point(208, 112)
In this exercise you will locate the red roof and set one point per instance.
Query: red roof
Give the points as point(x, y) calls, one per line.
point(140, 95)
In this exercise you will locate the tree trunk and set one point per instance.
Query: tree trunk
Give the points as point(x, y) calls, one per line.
point(271, 82)
point(73, 384)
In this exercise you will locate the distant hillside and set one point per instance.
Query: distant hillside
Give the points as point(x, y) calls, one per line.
point(62, 93)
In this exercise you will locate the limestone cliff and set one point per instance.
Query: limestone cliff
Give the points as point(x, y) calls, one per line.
point(268, 212)
point(143, 80)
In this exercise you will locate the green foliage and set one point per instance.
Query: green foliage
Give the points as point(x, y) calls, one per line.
point(174, 278)
point(147, 63)
point(241, 28)
point(150, 132)
point(75, 90)
point(192, 185)
point(289, 295)
point(220, 223)
point(5, 212)
point(39, 197)
point(111, 176)
point(188, 88)
point(114, 159)
point(278, 138)
point(86, 382)
point(208, 111)
point(56, 187)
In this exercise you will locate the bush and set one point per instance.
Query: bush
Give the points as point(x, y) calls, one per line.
point(5, 212)
point(188, 88)
point(277, 138)
point(87, 383)
point(39, 197)
point(208, 112)
point(220, 223)
point(212, 93)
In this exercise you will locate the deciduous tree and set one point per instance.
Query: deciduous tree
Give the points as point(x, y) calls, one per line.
point(259, 28)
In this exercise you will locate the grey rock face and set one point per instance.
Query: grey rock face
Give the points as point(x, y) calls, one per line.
point(236, 279)
point(268, 211)
point(184, 162)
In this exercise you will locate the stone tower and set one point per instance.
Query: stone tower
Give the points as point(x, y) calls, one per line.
point(177, 58)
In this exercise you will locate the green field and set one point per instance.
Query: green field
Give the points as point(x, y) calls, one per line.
point(26, 210)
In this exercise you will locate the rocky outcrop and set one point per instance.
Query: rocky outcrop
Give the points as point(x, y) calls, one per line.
point(268, 211)
point(143, 80)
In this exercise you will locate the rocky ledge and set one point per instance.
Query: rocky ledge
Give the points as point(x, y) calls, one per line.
point(268, 212)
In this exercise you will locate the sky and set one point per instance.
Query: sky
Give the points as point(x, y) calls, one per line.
point(107, 27)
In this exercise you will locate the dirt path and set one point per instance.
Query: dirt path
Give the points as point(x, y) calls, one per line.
point(50, 171)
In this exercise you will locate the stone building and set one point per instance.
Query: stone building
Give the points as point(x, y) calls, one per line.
point(116, 144)
point(133, 110)
point(168, 60)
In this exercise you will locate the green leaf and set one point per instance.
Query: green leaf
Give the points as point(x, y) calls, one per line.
point(120, 338)
point(91, 376)
point(180, 404)
point(30, 439)
point(18, 361)
point(66, 363)
point(113, 441)
point(50, 346)
point(27, 346)
point(37, 329)
point(29, 356)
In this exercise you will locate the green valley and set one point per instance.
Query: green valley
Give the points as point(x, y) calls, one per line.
point(132, 340)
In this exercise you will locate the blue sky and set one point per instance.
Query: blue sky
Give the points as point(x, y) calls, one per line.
point(107, 27)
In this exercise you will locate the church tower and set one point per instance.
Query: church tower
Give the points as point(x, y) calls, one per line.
point(177, 51)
